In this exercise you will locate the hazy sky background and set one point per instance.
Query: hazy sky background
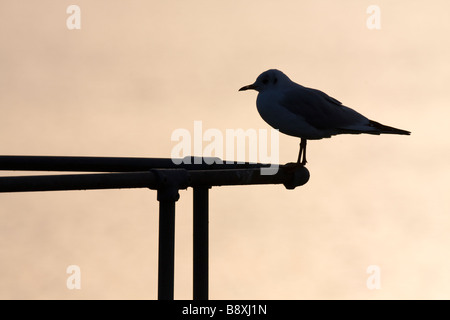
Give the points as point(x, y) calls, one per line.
point(138, 70)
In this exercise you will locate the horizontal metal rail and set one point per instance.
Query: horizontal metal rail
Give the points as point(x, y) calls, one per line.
point(116, 164)
point(154, 179)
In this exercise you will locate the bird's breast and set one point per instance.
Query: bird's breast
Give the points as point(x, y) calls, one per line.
point(279, 117)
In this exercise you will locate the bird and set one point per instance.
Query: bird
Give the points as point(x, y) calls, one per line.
point(308, 113)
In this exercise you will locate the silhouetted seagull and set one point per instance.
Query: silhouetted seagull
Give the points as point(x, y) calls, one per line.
point(308, 113)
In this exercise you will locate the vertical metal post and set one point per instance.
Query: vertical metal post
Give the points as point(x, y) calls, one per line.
point(166, 251)
point(201, 246)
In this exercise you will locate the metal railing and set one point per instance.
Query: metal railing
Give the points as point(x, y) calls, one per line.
point(163, 175)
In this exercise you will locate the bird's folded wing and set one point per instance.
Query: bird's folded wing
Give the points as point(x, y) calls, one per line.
point(319, 109)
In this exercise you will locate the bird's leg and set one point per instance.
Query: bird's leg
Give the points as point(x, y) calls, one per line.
point(302, 153)
point(303, 142)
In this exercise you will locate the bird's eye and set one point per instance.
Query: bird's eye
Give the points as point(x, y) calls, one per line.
point(265, 81)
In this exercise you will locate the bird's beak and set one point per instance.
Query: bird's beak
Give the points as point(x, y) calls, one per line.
point(250, 86)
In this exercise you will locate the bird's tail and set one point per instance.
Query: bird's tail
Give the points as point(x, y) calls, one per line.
point(381, 128)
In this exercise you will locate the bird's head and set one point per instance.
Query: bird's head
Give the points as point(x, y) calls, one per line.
point(270, 79)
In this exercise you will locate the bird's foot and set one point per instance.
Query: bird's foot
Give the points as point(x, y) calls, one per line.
point(292, 166)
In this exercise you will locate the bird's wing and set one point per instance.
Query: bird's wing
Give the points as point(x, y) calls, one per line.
point(320, 110)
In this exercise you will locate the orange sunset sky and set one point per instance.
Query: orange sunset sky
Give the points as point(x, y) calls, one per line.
point(138, 70)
